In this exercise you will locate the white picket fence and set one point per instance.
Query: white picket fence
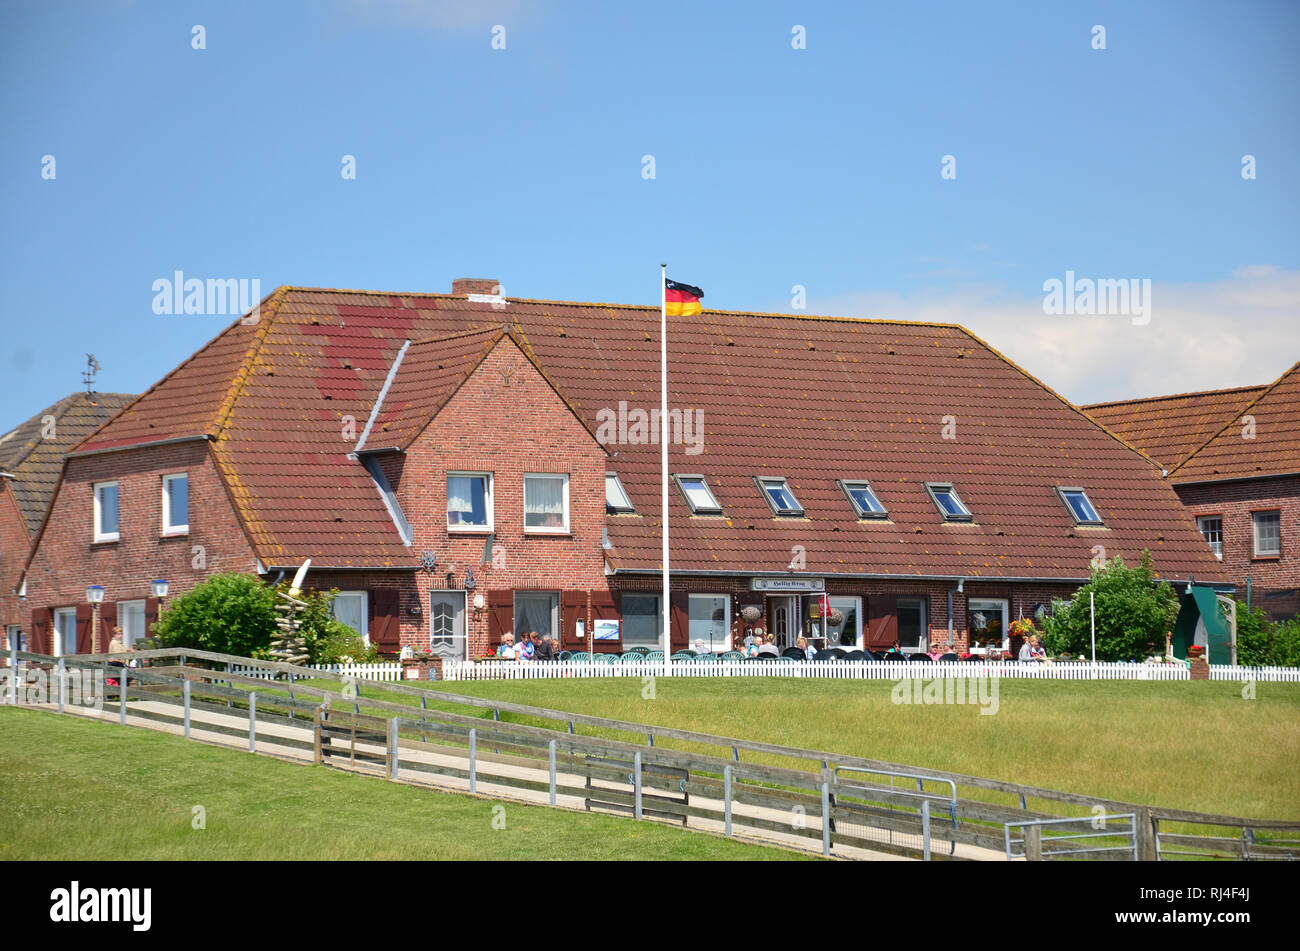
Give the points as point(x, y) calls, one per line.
point(1289, 675)
point(827, 670)
point(389, 672)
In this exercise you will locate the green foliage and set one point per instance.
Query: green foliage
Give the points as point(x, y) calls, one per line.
point(329, 641)
point(1252, 636)
point(228, 613)
point(1133, 614)
point(1284, 650)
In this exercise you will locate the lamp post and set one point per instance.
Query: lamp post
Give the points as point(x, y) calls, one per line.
point(158, 589)
point(95, 595)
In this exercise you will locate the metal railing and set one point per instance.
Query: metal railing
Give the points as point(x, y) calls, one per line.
point(1040, 838)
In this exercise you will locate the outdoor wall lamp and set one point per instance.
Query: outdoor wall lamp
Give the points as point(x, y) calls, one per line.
point(451, 579)
point(95, 595)
point(159, 588)
point(479, 602)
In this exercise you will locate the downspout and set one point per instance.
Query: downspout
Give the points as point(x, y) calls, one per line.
point(961, 584)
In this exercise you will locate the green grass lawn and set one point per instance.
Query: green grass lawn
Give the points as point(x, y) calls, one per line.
point(1197, 746)
point(82, 790)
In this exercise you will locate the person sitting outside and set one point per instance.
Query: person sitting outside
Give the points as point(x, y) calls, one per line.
point(507, 649)
point(526, 650)
point(544, 649)
point(895, 652)
point(751, 648)
point(809, 651)
point(768, 646)
point(115, 646)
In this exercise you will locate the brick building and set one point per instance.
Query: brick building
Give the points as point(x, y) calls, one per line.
point(460, 465)
point(1233, 457)
point(31, 457)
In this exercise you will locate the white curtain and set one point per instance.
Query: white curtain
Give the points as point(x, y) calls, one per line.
point(460, 489)
point(544, 496)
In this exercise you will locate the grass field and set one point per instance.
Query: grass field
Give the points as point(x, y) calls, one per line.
point(1197, 746)
point(77, 789)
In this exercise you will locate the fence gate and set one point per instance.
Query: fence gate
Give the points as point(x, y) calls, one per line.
point(643, 789)
point(351, 740)
point(891, 819)
point(1113, 836)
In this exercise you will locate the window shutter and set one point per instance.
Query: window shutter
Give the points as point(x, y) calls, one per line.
point(882, 621)
point(150, 616)
point(573, 605)
point(107, 621)
point(604, 607)
point(40, 640)
point(83, 628)
point(679, 627)
point(385, 621)
point(501, 615)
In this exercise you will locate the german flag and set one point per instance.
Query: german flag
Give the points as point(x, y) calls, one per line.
point(682, 300)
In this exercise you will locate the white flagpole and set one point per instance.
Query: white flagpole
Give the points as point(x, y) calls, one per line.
point(663, 452)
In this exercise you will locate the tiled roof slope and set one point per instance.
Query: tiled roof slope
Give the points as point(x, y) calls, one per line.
point(35, 461)
point(1170, 428)
point(813, 399)
point(1274, 446)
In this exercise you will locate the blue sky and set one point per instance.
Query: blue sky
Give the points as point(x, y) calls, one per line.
point(774, 167)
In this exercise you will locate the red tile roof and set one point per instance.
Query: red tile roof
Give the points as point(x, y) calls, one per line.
point(1171, 428)
point(813, 399)
point(1268, 446)
point(33, 453)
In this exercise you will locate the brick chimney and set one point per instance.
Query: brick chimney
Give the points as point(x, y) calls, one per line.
point(475, 285)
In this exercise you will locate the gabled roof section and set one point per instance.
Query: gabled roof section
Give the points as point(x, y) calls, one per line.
point(1267, 444)
point(33, 452)
point(1171, 428)
point(430, 373)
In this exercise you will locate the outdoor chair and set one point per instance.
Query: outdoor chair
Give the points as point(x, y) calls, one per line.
point(794, 653)
point(655, 656)
point(632, 657)
point(857, 655)
point(564, 655)
point(733, 655)
point(607, 658)
point(832, 653)
point(926, 658)
point(639, 649)
point(880, 655)
point(950, 656)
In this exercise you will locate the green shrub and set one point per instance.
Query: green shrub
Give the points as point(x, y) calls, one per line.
point(1284, 643)
point(1133, 614)
point(1252, 636)
point(228, 613)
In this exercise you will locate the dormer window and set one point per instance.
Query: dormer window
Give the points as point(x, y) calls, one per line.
point(777, 492)
point(1076, 500)
point(697, 494)
point(863, 498)
point(948, 502)
point(616, 500)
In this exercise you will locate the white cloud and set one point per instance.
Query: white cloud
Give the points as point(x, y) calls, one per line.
point(1238, 331)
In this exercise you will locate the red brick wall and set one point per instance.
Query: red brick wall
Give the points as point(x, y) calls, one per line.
point(14, 546)
point(1271, 578)
point(67, 559)
point(507, 428)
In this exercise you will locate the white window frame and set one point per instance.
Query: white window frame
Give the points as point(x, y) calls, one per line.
point(1006, 613)
point(1200, 526)
point(167, 527)
point(779, 482)
point(365, 610)
point(924, 636)
point(127, 637)
point(106, 536)
point(488, 503)
point(1254, 533)
point(611, 509)
point(714, 509)
point(850, 485)
point(726, 618)
point(1064, 491)
point(554, 529)
point(59, 648)
point(857, 613)
point(13, 631)
point(947, 488)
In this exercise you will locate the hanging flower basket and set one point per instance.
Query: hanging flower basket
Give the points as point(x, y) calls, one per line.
point(835, 618)
point(751, 614)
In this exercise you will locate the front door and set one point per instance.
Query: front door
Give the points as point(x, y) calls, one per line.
point(784, 619)
point(447, 624)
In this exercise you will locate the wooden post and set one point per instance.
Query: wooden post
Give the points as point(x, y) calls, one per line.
point(552, 750)
point(726, 797)
point(392, 747)
point(13, 672)
point(252, 721)
point(925, 830)
point(1146, 833)
point(826, 819)
point(473, 771)
point(636, 784)
point(62, 671)
point(121, 698)
point(316, 720)
point(1033, 842)
point(185, 695)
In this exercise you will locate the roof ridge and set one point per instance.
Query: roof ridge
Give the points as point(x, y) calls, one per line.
point(1033, 379)
point(1175, 396)
point(58, 410)
point(227, 406)
point(648, 307)
point(502, 328)
point(1236, 416)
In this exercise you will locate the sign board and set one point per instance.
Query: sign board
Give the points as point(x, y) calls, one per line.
point(605, 629)
point(787, 584)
